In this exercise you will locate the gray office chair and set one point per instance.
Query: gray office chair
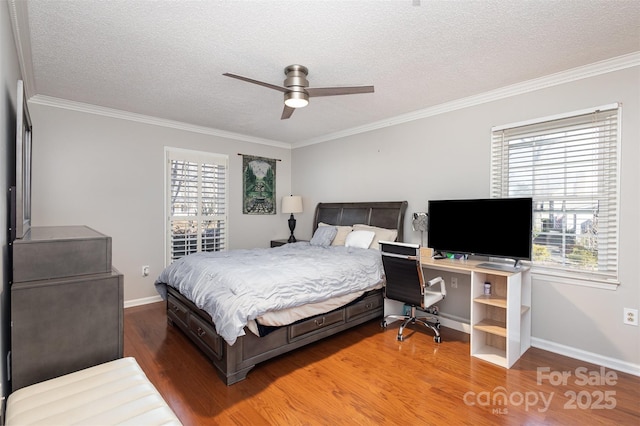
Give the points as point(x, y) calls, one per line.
point(405, 283)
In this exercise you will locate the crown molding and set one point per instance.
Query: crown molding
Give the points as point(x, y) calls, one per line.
point(21, 35)
point(140, 118)
point(575, 74)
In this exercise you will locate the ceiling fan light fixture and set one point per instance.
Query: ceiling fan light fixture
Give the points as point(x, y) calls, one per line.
point(297, 91)
point(296, 99)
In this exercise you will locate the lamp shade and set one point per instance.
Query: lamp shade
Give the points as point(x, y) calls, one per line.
point(292, 204)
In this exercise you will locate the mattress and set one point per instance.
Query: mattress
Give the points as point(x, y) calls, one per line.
point(239, 286)
point(116, 392)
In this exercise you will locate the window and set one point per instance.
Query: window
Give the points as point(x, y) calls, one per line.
point(569, 166)
point(196, 202)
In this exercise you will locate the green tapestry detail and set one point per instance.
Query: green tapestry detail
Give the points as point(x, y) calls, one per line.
point(259, 185)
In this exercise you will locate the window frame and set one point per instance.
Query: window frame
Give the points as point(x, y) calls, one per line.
point(199, 157)
point(499, 185)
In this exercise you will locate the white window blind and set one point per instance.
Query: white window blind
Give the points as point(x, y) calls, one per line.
point(196, 203)
point(569, 166)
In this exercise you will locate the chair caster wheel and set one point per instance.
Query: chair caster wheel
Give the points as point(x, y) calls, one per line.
point(383, 324)
point(437, 339)
point(400, 338)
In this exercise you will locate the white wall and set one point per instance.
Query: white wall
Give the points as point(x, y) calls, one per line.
point(108, 173)
point(447, 156)
point(9, 76)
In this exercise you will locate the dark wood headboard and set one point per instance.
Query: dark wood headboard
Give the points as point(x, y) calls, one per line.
point(383, 214)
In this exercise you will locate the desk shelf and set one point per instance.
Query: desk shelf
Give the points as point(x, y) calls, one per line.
point(494, 327)
point(500, 323)
point(491, 354)
point(500, 302)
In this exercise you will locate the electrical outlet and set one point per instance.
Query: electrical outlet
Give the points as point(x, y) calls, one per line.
point(145, 271)
point(454, 282)
point(631, 316)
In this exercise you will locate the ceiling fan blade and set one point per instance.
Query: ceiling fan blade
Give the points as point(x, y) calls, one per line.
point(333, 91)
point(287, 112)
point(260, 83)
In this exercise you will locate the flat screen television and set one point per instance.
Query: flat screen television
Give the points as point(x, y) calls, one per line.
point(493, 227)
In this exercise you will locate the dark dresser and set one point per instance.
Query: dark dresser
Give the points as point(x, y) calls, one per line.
point(66, 304)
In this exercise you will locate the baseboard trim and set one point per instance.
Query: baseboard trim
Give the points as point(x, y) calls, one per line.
point(454, 322)
point(462, 324)
point(613, 363)
point(142, 301)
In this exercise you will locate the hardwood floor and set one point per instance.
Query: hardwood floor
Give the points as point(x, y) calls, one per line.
point(364, 376)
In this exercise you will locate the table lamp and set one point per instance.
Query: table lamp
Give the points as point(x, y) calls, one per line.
point(292, 204)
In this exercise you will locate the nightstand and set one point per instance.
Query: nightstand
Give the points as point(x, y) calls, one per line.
point(278, 243)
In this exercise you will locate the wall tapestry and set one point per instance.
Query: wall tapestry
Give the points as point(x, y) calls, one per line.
point(259, 185)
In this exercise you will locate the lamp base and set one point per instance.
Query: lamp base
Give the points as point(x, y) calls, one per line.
point(292, 226)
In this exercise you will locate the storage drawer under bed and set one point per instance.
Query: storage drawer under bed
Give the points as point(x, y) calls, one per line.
point(315, 324)
point(176, 310)
point(206, 334)
point(364, 306)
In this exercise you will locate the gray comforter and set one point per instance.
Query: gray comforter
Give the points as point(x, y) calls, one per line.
point(239, 285)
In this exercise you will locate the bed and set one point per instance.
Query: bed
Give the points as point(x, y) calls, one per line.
point(245, 334)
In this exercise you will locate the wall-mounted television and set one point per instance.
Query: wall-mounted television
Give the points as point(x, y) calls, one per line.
point(493, 227)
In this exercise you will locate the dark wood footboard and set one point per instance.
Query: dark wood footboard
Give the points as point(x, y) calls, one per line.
point(234, 362)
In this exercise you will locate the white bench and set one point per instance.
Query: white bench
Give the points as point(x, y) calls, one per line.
point(116, 392)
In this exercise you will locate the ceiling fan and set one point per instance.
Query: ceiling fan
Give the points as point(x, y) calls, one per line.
point(297, 91)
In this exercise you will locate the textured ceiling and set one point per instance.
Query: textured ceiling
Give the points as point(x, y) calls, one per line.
point(165, 59)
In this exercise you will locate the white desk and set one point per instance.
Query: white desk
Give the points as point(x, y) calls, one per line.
point(500, 328)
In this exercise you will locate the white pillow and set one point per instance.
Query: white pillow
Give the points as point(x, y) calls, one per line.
point(383, 234)
point(341, 236)
point(359, 239)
